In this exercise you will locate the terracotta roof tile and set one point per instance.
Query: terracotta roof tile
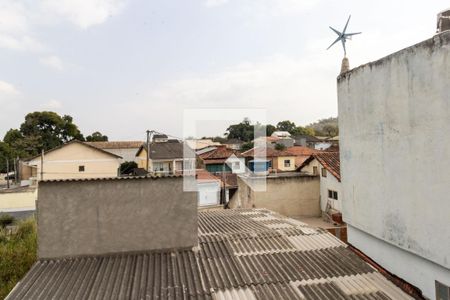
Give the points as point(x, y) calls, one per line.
point(331, 162)
point(204, 175)
point(269, 152)
point(221, 152)
point(300, 150)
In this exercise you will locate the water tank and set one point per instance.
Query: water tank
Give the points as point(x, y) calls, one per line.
point(443, 20)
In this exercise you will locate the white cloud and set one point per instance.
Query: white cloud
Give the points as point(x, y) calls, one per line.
point(9, 100)
point(53, 62)
point(84, 13)
point(7, 89)
point(14, 27)
point(212, 3)
point(19, 19)
point(52, 105)
point(266, 8)
point(290, 88)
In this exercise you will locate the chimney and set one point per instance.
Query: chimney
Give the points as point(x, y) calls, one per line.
point(114, 215)
point(345, 66)
point(443, 21)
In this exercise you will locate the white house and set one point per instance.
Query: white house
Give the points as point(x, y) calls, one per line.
point(209, 187)
point(394, 120)
point(281, 134)
point(327, 166)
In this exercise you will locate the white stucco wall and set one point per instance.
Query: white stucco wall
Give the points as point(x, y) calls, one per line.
point(21, 199)
point(394, 119)
point(330, 183)
point(326, 183)
point(208, 193)
point(232, 163)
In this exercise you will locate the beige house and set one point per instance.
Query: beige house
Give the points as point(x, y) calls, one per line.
point(74, 159)
point(277, 160)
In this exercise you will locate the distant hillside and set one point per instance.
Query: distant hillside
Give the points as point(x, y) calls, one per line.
point(325, 127)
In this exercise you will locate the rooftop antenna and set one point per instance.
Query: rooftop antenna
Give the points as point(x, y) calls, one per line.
point(343, 37)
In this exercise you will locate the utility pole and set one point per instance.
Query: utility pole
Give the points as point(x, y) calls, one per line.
point(42, 164)
point(148, 150)
point(15, 171)
point(7, 173)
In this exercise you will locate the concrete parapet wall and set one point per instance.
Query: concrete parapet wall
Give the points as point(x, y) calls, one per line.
point(109, 216)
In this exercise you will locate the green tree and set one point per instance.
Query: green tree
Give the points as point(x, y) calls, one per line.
point(286, 126)
point(330, 130)
point(247, 146)
point(280, 147)
point(325, 127)
point(6, 153)
point(299, 130)
point(97, 137)
point(243, 131)
point(18, 144)
point(41, 131)
point(270, 129)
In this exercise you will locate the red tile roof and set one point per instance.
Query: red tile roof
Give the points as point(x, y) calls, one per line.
point(300, 150)
point(204, 175)
point(222, 152)
point(301, 154)
point(259, 152)
point(331, 162)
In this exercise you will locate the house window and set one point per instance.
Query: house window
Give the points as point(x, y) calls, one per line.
point(189, 164)
point(324, 172)
point(315, 171)
point(80, 168)
point(287, 163)
point(333, 195)
point(236, 165)
point(442, 291)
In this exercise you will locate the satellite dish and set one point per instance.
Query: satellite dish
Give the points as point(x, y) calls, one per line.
point(343, 36)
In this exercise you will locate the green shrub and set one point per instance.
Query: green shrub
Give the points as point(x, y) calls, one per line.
point(17, 254)
point(6, 220)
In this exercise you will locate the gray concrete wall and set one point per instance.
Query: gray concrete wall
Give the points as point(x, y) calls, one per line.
point(109, 216)
point(288, 195)
point(394, 120)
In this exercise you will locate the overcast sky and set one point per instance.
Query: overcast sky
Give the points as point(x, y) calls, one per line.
point(124, 66)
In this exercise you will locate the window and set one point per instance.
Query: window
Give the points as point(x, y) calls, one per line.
point(324, 172)
point(236, 165)
point(80, 168)
point(287, 163)
point(333, 195)
point(442, 291)
point(315, 171)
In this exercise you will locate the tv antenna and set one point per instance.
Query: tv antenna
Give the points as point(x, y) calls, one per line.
point(343, 36)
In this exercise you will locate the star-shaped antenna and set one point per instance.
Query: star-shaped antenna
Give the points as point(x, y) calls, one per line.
point(342, 36)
